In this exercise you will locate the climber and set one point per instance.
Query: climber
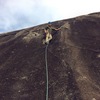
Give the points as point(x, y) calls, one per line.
point(48, 33)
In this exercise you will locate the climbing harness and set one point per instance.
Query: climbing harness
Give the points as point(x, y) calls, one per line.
point(46, 63)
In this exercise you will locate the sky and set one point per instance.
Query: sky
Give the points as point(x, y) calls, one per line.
point(19, 14)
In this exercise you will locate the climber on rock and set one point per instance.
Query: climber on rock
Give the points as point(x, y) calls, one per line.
point(48, 33)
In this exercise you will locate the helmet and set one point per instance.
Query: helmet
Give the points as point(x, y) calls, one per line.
point(49, 22)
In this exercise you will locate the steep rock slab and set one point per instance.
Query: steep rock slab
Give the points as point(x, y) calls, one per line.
point(73, 62)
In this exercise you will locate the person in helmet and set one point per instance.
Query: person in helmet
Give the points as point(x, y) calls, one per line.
point(48, 33)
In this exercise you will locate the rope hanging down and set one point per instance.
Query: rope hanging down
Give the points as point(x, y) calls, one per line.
point(46, 71)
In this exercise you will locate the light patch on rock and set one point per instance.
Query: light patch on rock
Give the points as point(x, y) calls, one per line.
point(81, 78)
point(93, 99)
point(19, 33)
point(98, 55)
point(19, 91)
point(12, 51)
point(30, 36)
point(17, 86)
point(24, 78)
point(95, 15)
point(66, 25)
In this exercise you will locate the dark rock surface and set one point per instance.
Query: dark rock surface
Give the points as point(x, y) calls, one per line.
point(73, 62)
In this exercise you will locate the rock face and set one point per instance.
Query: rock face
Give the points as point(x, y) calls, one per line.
point(73, 61)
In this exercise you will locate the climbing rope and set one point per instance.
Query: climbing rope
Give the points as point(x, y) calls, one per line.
point(46, 49)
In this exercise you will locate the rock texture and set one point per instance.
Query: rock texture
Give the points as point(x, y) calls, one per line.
point(73, 61)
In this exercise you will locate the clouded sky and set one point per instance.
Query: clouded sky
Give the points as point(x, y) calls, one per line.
point(18, 14)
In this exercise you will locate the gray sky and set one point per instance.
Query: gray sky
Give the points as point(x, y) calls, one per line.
point(19, 14)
